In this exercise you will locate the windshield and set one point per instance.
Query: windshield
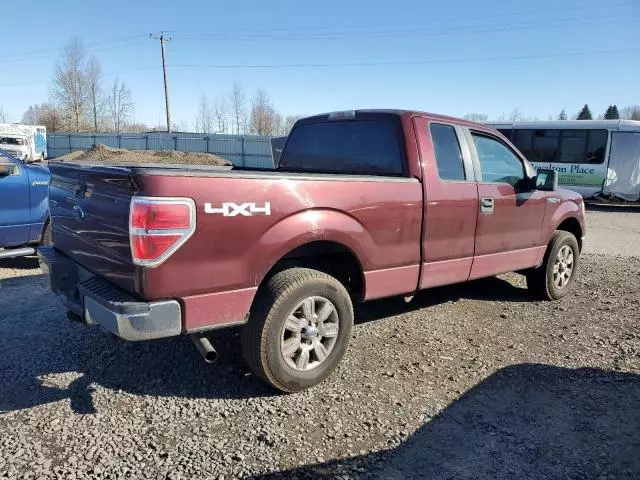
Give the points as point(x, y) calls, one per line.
point(11, 141)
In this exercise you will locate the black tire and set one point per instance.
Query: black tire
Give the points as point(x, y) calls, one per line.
point(46, 235)
point(540, 281)
point(262, 335)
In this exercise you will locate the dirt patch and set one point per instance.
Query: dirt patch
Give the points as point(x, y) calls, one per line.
point(102, 154)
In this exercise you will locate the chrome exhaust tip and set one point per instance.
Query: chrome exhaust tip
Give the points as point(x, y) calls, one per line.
point(205, 348)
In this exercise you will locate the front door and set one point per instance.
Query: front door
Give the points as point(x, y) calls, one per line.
point(510, 214)
point(14, 205)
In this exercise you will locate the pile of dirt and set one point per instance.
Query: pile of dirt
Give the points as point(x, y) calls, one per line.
point(101, 154)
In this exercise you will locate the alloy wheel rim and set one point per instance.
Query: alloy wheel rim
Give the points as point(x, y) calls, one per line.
point(563, 266)
point(309, 333)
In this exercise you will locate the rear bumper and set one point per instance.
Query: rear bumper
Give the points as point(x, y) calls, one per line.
point(98, 301)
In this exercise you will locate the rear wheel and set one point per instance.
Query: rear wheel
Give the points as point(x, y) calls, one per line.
point(298, 330)
point(553, 279)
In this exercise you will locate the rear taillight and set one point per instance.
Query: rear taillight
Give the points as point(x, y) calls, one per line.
point(158, 227)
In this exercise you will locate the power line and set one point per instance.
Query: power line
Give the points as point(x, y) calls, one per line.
point(109, 74)
point(47, 53)
point(405, 62)
point(355, 64)
point(506, 15)
point(423, 31)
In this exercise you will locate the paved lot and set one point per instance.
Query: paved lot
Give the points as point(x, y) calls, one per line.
point(471, 381)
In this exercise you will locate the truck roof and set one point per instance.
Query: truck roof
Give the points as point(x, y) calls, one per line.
point(391, 112)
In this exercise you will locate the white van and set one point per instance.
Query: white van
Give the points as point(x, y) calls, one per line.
point(25, 142)
point(592, 157)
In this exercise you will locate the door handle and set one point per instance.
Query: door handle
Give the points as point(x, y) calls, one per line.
point(486, 205)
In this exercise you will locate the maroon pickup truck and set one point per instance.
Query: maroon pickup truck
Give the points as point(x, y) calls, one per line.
point(361, 205)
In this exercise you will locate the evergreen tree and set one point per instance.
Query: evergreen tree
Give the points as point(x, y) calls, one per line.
point(585, 113)
point(563, 115)
point(612, 113)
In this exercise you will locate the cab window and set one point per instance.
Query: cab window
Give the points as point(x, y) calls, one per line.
point(447, 152)
point(497, 162)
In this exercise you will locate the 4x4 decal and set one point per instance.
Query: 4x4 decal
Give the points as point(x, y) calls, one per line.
point(230, 209)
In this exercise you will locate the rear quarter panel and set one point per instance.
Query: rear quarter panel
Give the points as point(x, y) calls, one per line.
point(380, 221)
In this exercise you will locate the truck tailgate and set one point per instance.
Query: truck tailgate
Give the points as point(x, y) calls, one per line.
point(90, 215)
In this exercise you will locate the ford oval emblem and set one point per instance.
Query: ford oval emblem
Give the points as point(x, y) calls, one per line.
point(79, 212)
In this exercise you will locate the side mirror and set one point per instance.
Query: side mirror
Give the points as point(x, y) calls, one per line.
point(7, 169)
point(546, 180)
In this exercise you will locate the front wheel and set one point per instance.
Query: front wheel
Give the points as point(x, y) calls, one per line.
point(553, 279)
point(298, 330)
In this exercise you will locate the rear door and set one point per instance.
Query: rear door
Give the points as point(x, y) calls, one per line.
point(510, 214)
point(14, 204)
point(450, 203)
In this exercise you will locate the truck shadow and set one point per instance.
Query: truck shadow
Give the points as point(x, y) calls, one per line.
point(489, 289)
point(524, 421)
point(40, 344)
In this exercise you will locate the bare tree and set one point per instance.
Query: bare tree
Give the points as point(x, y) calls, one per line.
point(119, 104)
point(220, 114)
point(93, 76)
point(3, 115)
point(289, 121)
point(204, 117)
point(515, 114)
point(70, 88)
point(476, 117)
point(238, 106)
point(136, 128)
point(262, 116)
point(632, 112)
point(278, 124)
point(44, 114)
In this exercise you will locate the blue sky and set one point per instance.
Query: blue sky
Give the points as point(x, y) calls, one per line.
point(448, 57)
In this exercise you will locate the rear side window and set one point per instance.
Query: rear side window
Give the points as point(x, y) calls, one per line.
point(447, 150)
point(358, 147)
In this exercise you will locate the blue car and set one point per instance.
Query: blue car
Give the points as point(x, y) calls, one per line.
point(24, 206)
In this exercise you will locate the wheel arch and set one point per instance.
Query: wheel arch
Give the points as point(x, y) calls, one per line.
point(315, 238)
point(572, 225)
point(328, 256)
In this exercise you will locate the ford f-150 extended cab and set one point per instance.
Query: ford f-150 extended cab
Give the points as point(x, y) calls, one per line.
point(24, 206)
point(361, 205)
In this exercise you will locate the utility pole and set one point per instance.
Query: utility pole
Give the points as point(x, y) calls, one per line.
point(163, 39)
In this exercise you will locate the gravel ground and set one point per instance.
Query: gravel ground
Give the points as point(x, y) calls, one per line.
point(470, 381)
point(101, 154)
point(617, 234)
